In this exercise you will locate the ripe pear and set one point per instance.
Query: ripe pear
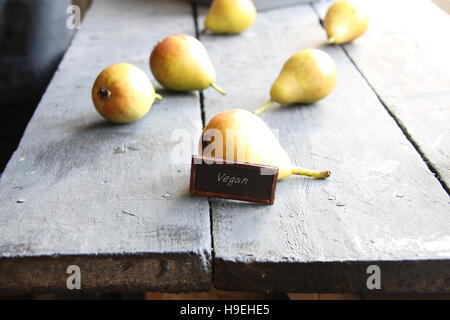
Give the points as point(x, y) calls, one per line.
point(344, 22)
point(239, 135)
point(180, 62)
point(230, 16)
point(306, 77)
point(123, 93)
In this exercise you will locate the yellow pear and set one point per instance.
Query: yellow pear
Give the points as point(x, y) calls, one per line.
point(123, 93)
point(230, 16)
point(239, 135)
point(180, 62)
point(306, 77)
point(344, 22)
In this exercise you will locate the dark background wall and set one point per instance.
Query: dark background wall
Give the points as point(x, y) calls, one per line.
point(33, 39)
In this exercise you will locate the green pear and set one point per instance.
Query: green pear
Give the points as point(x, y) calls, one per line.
point(180, 62)
point(307, 77)
point(344, 22)
point(230, 16)
point(239, 135)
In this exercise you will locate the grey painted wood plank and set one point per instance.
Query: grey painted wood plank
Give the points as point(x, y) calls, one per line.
point(380, 206)
point(405, 57)
point(106, 197)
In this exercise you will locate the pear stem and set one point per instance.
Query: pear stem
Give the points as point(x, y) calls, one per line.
point(311, 173)
point(203, 31)
point(263, 107)
point(218, 89)
point(158, 96)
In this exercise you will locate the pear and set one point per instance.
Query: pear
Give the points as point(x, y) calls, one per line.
point(239, 135)
point(230, 16)
point(122, 93)
point(306, 77)
point(180, 62)
point(344, 22)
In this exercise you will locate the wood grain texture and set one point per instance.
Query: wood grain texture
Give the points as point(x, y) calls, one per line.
point(405, 58)
point(381, 204)
point(106, 197)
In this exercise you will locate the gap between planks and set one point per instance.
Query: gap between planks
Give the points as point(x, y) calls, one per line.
point(195, 16)
point(399, 123)
point(396, 119)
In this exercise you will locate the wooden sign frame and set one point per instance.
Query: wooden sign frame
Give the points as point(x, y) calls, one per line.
point(271, 176)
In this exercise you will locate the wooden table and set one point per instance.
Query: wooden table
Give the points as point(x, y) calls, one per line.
point(112, 199)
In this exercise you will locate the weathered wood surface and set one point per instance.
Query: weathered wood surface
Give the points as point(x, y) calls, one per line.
point(381, 205)
point(405, 58)
point(110, 199)
point(106, 197)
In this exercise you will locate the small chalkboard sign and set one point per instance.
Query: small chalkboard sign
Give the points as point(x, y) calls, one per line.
point(236, 180)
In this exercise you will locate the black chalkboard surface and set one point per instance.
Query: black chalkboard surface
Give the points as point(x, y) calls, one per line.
point(237, 180)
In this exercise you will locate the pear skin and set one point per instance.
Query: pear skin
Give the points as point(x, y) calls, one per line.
point(230, 16)
point(122, 93)
point(344, 22)
point(180, 63)
point(306, 77)
point(239, 135)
